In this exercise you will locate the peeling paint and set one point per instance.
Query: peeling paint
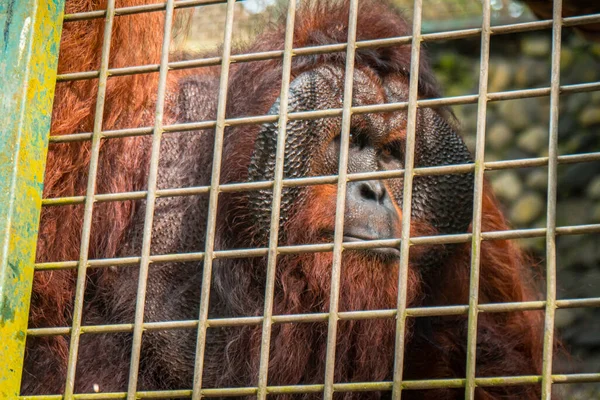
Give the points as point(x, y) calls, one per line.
point(9, 15)
point(23, 40)
point(28, 60)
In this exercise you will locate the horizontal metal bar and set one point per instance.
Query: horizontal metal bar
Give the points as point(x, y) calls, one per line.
point(204, 62)
point(440, 311)
point(237, 187)
point(329, 179)
point(145, 8)
point(319, 180)
point(325, 247)
point(338, 387)
point(336, 112)
point(301, 51)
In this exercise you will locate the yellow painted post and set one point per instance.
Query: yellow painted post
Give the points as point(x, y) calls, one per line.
point(29, 40)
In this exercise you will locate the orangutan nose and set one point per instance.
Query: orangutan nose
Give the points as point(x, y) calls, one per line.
point(370, 214)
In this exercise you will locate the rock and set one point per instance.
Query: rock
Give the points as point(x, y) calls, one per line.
point(590, 335)
point(576, 102)
point(564, 317)
point(595, 214)
point(577, 42)
point(514, 153)
point(567, 126)
point(541, 222)
point(571, 145)
point(521, 75)
point(593, 189)
point(576, 177)
point(500, 76)
point(582, 70)
point(538, 179)
point(507, 185)
point(566, 58)
point(531, 73)
point(543, 111)
point(533, 140)
point(573, 212)
point(491, 157)
point(527, 209)
point(536, 46)
point(590, 116)
point(567, 277)
point(499, 136)
point(585, 253)
point(517, 113)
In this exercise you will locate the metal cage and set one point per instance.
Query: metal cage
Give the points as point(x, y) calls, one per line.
point(31, 36)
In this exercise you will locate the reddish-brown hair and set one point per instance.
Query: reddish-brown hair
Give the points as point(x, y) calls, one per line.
point(122, 164)
point(508, 343)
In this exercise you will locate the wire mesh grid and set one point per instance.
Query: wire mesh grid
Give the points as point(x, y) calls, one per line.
point(437, 16)
point(402, 311)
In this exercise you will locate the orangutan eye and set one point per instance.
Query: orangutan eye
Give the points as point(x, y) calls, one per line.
point(356, 138)
point(393, 150)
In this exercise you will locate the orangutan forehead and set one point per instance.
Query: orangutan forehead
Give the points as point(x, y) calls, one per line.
point(323, 88)
point(370, 89)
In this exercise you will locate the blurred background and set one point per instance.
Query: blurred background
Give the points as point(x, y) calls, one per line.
point(515, 129)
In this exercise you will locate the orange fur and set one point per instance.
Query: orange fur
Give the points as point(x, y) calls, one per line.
point(365, 348)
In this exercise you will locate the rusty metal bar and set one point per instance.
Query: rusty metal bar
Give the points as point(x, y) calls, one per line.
point(325, 247)
point(470, 382)
point(136, 345)
point(338, 387)
point(551, 208)
point(267, 317)
point(340, 205)
point(211, 222)
point(388, 107)
point(477, 204)
point(592, 302)
point(89, 204)
point(407, 186)
point(145, 8)
point(396, 41)
point(319, 180)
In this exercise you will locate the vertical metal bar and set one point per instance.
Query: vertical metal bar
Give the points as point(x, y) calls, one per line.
point(150, 204)
point(211, 222)
point(263, 371)
point(340, 202)
point(551, 208)
point(411, 127)
point(28, 60)
point(477, 205)
point(89, 203)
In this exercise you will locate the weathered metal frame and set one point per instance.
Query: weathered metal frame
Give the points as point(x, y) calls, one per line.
point(211, 223)
point(89, 204)
point(550, 310)
point(28, 60)
point(546, 379)
point(473, 312)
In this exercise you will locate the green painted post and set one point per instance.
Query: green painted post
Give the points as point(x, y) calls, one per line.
point(29, 40)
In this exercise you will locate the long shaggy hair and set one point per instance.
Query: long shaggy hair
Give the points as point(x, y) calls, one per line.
point(508, 343)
